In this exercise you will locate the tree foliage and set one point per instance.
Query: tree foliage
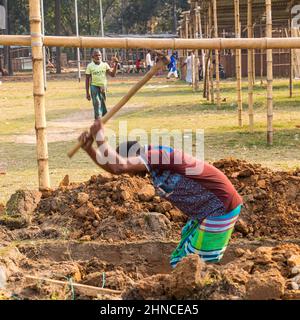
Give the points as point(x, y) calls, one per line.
point(120, 16)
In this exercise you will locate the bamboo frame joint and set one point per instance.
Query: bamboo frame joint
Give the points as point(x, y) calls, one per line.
point(35, 19)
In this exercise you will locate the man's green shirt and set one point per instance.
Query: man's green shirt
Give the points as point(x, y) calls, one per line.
point(98, 73)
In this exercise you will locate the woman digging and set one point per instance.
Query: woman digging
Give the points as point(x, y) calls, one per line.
point(198, 189)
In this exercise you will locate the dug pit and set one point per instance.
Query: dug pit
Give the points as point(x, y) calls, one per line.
point(111, 238)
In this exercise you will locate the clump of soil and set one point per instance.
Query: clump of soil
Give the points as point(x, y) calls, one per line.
point(107, 208)
point(124, 210)
point(266, 273)
point(114, 208)
point(271, 199)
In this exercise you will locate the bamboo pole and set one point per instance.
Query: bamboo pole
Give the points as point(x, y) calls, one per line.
point(39, 94)
point(261, 61)
point(211, 66)
point(205, 75)
point(82, 287)
point(253, 60)
point(201, 36)
point(250, 68)
point(206, 82)
point(196, 58)
point(290, 60)
point(193, 71)
point(269, 75)
point(186, 22)
point(192, 35)
point(175, 44)
point(216, 53)
point(238, 62)
point(78, 50)
point(205, 78)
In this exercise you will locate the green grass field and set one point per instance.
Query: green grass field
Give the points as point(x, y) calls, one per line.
point(161, 105)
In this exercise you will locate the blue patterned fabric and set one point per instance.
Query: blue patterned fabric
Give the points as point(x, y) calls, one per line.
point(186, 194)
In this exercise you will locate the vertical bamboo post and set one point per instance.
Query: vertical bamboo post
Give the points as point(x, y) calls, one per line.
point(205, 79)
point(253, 58)
point(261, 61)
point(192, 35)
point(39, 93)
point(186, 20)
point(250, 68)
point(216, 53)
point(201, 36)
point(186, 29)
point(196, 58)
point(291, 60)
point(238, 62)
point(211, 66)
point(206, 74)
point(269, 75)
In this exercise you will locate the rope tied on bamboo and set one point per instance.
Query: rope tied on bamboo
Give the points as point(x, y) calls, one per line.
point(35, 19)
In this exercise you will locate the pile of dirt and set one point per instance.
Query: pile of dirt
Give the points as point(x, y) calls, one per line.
point(125, 208)
point(266, 273)
point(271, 199)
point(109, 208)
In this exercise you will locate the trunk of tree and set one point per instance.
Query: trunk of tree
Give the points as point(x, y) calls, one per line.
point(6, 53)
point(57, 32)
point(122, 16)
point(174, 17)
point(89, 18)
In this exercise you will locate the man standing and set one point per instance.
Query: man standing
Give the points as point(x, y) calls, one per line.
point(96, 81)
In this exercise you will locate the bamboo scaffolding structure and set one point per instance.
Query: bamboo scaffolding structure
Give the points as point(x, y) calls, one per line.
point(211, 66)
point(250, 68)
point(175, 44)
point(269, 75)
point(216, 53)
point(238, 62)
point(39, 94)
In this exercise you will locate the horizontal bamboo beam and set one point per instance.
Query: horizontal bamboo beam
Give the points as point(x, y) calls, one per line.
point(176, 44)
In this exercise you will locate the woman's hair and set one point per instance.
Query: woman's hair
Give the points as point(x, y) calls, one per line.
point(129, 149)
